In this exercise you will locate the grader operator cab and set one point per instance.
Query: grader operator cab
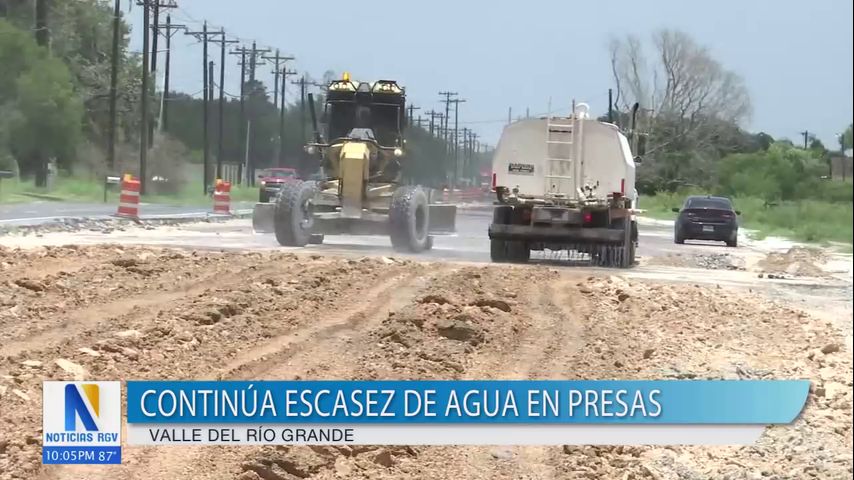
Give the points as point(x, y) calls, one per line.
point(359, 190)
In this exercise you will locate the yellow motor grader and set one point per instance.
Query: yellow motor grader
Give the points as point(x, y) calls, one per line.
point(360, 191)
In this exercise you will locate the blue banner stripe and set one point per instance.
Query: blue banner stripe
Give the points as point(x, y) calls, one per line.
point(83, 455)
point(535, 402)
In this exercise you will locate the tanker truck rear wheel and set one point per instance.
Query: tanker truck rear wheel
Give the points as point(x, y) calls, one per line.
point(498, 250)
point(409, 221)
point(501, 215)
point(293, 217)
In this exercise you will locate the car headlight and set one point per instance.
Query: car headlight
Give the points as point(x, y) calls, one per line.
point(398, 152)
point(263, 183)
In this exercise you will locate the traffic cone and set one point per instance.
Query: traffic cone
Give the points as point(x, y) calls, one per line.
point(222, 198)
point(129, 198)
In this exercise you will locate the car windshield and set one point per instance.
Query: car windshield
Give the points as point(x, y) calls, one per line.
point(281, 173)
point(718, 203)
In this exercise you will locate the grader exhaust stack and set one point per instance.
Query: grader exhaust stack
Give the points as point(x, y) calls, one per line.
point(362, 192)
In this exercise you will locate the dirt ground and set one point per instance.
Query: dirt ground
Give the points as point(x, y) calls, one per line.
point(107, 312)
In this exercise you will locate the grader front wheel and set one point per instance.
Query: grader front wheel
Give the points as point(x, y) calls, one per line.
point(292, 218)
point(409, 221)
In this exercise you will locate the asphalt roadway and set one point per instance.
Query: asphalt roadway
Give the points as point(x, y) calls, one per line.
point(469, 243)
point(36, 213)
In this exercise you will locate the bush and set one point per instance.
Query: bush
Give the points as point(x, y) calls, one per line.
point(780, 173)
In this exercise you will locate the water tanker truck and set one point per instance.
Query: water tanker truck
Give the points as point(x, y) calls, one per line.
point(565, 184)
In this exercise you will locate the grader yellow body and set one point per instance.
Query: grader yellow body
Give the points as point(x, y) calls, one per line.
point(361, 192)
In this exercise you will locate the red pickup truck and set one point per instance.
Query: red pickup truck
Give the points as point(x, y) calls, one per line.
point(271, 181)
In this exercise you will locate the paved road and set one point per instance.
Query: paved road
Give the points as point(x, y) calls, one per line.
point(470, 243)
point(36, 213)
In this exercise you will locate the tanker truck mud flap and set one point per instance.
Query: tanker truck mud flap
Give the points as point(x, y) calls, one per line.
point(443, 219)
point(262, 218)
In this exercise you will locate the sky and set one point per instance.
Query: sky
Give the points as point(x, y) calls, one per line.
point(795, 56)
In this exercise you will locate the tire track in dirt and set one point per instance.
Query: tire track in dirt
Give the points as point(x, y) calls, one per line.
point(160, 350)
point(312, 351)
point(69, 302)
point(92, 317)
point(378, 302)
point(532, 318)
point(566, 313)
point(542, 351)
point(40, 264)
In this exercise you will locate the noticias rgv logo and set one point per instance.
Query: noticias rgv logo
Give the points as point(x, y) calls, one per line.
point(81, 422)
point(82, 412)
point(76, 407)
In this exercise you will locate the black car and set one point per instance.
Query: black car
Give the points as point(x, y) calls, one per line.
point(707, 218)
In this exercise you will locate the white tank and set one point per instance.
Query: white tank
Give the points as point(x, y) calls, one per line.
point(571, 158)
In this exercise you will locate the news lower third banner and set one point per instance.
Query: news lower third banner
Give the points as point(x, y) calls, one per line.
point(714, 412)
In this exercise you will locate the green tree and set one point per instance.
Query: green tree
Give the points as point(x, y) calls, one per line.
point(81, 33)
point(40, 108)
point(847, 140)
point(49, 125)
point(18, 53)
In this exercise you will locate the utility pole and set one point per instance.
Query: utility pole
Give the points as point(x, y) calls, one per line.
point(155, 26)
point(456, 102)
point(42, 31)
point(279, 69)
point(207, 93)
point(464, 159)
point(475, 149)
point(114, 75)
point(433, 114)
point(171, 29)
point(207, 82)
point(209, 102)
point(447, 102)
point(252, 133)
point(143, 129)
point(301, 83)
point(806, 135)
point(43, 40)
point(153, 71)
point(221, 113)
point(241, 129)
point(439, 127)
point(411, 117)
point(256, 52)
point(446, 130)
point(282, 107)
point(475, 154)
point(278, 60)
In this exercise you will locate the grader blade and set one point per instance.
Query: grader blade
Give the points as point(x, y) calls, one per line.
point(262, 218)
point(443, 219)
